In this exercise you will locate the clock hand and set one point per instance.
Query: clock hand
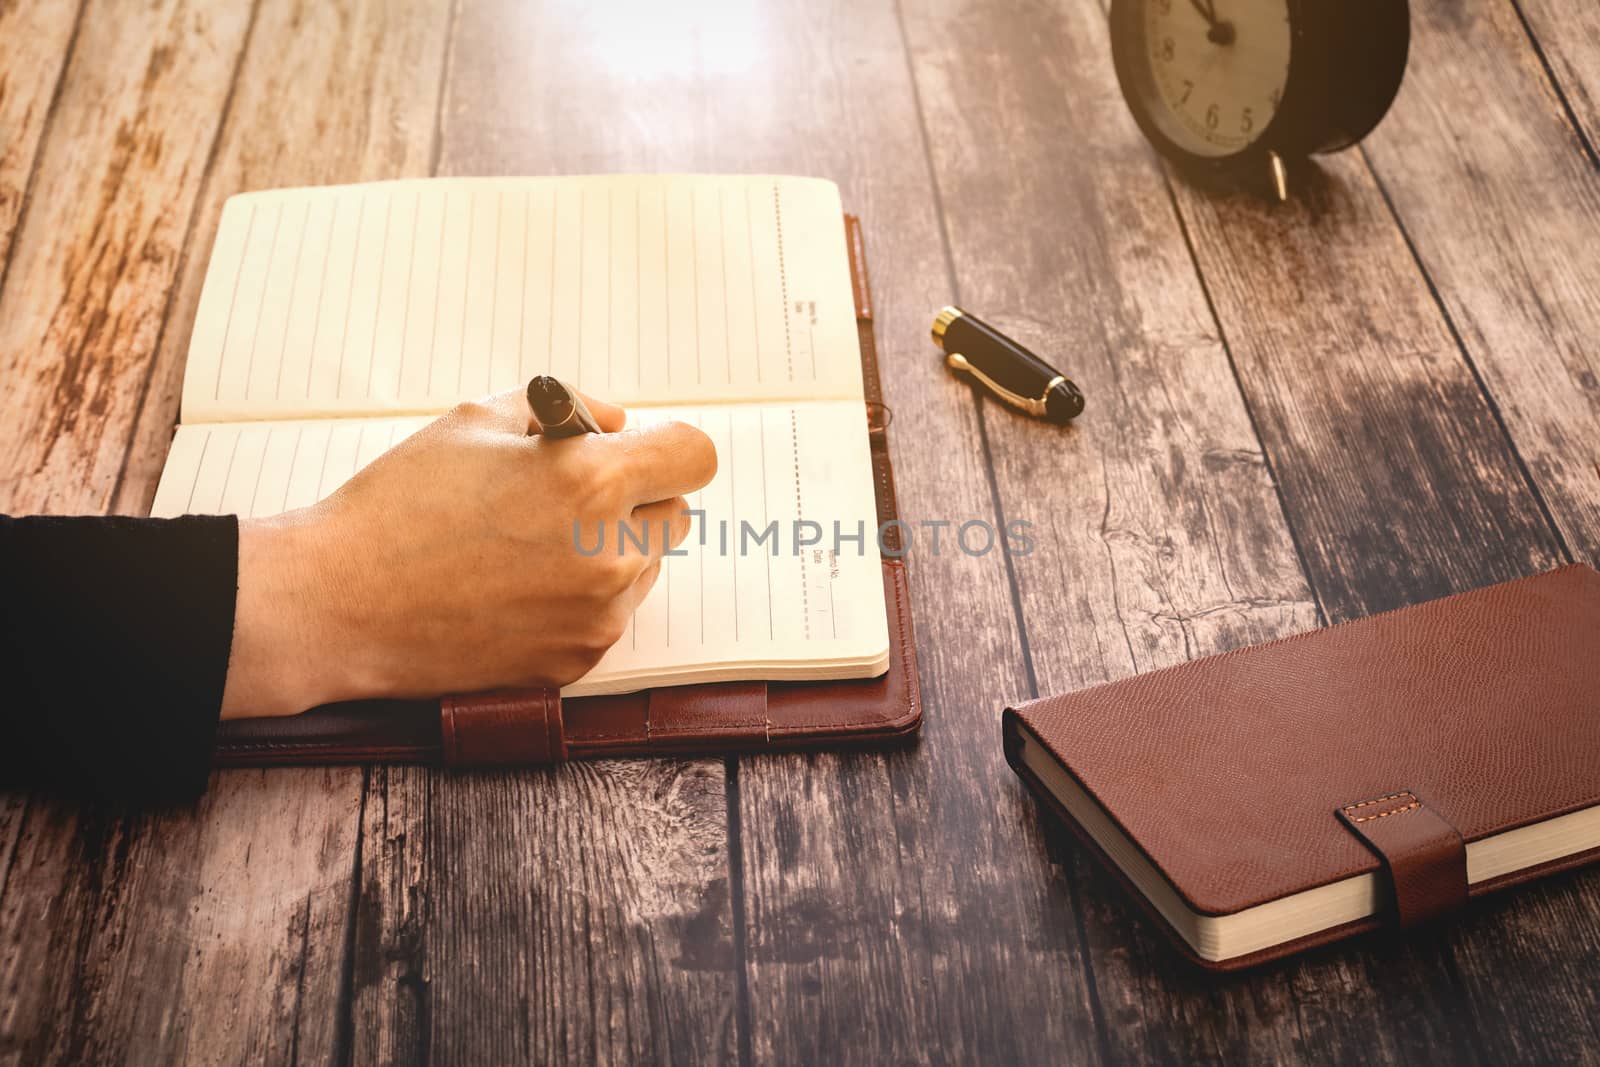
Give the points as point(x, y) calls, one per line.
point(1221, 32)
point(1207, 9)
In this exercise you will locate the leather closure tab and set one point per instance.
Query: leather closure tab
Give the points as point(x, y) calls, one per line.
point(722, 713)
point(1425, 856)
point(512, 727)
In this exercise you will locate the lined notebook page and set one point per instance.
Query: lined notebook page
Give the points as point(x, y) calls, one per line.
point(716, 613)
point(409, 296)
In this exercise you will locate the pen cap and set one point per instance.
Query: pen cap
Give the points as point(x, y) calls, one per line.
point(1007, 363)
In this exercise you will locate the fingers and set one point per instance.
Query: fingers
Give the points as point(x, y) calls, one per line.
point(630, 600)
point(610, 417)
point(658, 527)
point(661, 461)
point(509, 412)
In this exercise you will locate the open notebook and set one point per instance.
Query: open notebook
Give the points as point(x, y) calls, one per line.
point(335, 321)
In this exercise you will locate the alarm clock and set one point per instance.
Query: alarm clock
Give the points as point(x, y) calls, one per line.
point(1235, 90)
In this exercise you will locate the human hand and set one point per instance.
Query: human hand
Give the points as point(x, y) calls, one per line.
point(449, 564)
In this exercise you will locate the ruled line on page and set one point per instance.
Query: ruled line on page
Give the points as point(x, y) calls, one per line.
point(733, 494)
point(266, 278)
point(755, 295)
point(322, 290)
point(288, 311)
point(494, 300)
point(766, 516)
point(727, 322)
point(783, 277)
point(349, 296)
point(466, 292)
point(405, 314)
point(233, 300)
point(522, 305)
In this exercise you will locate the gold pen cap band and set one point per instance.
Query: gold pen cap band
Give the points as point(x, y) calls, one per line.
point(942, 323)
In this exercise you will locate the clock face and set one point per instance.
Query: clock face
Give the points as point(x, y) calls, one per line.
point(1217, 68)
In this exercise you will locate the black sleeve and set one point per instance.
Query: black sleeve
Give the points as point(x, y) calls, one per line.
point(116, 633)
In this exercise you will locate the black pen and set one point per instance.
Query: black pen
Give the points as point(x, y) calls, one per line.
point(559, 411)
point(1009, 370)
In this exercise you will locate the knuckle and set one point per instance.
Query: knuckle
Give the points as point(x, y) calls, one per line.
point(604, 630)
point(471, 411)
point(619, 573)
point(590, 482)
point(680, 521)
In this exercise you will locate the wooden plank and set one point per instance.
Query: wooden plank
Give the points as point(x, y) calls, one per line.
point(579, 914)
point(1521, 283)
point(1566, 37)
point(1395, 472)
point(208, 934)
point(251, 891)
point(35, 39)
point(92, 262)
point(582, 913)
point(1521, 286)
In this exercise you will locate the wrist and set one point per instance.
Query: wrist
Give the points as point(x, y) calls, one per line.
point(285, 653)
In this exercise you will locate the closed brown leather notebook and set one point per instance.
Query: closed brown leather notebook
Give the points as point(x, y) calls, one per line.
point(1380, 772)
point(708, 717)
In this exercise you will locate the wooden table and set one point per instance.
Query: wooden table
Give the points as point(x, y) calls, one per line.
point(1379, 393)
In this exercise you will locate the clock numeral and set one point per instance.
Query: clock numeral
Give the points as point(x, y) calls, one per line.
point(1164, 6)
point(1274, 98)
point(1168, 49)
point(1212, 117)
point(1188, 87)
point(1246, 122)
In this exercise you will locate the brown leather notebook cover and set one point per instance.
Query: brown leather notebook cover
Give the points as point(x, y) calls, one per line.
point(537, 726)
point(1376, 773)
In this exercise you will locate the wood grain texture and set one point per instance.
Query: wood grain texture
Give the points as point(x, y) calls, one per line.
point(207, 935)
point(34, 42)
point(1479, 132)
point(92, 261)
point(237, 913)
point(1395, 472)
point(582, 914)
point(329, 93)
point(573, 915)
point(1566, 37)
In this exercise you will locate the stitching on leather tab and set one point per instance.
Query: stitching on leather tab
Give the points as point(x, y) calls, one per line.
point(1350, 809)
point(1415, 804)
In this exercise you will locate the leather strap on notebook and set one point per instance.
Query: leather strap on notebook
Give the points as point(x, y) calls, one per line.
point(509, 727)
point(728, 713)
point(1424, 855)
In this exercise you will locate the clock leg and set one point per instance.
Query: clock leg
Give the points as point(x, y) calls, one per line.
point(1279, 174)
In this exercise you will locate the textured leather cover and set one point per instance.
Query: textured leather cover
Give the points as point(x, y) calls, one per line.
point(1238, 775)
point(536, 726)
